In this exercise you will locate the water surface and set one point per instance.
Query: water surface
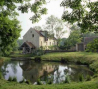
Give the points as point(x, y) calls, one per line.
point(57, 72)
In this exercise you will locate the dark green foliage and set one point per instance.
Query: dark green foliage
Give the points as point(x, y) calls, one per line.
point(9, 25)
point(28, 82)
point(9, 34)
point(14, 79)
point(72, 40)
point(92, 46)
point(63, 60)
point(10, 78)
point(67, 79)
point(81, 77)
point(37, 59)
point(50, 81)
point(39, 82)
point(1, 76)
point(38, 52)
point(22, 81)
point(86, 20)
point(88, 78)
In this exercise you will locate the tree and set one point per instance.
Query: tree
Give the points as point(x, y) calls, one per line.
point(38, 28)
point(37, 8)
point(9, 25)
point(75, 37)
point(84, 12)
point(55, 27)
point(92, 46)
point(19, 42)
point(72, 40)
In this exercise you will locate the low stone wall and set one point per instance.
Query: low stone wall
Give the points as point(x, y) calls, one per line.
point(51, 51)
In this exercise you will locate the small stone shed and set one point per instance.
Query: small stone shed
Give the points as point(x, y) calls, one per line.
point(82, 46)
point(27, 47)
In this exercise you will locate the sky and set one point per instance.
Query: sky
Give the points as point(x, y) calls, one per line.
point(53, 9)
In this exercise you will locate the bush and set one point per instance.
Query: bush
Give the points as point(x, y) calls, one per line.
point(81, 78)
point(63, 60)
point(39, 82)
point(38, 52)
point(67, 79)
point(37, 59)
point(22, 81)
point(92, 46)
point(10, 78)
point(28, 82)
point(88, 78)
point(1, 76)
point(50, 81)
point(14, 79)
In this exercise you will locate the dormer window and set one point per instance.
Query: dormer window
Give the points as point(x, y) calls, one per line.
point(32, 35)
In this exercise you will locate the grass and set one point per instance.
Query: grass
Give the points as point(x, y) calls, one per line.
point(77, 57)
point(90, 59)
point(19, 54)
point(83, 85)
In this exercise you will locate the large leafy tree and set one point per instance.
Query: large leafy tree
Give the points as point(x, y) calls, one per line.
point(84, 12)
point(9, 25)
point(55, 27)
point(74, 38)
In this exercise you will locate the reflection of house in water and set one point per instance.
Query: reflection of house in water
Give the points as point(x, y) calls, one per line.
point(32, 71)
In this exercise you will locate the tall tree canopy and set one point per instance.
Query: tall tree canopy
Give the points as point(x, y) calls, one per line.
point(9, 25)
point(55, 27)
point(84, 12)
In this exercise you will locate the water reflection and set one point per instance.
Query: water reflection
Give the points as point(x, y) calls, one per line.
point(32, 71)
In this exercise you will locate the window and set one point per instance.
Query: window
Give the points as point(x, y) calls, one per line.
point(31, 32)
point(32, 35)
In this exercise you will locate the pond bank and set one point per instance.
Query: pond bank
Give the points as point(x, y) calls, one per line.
point(90, 59)
point(78, 57)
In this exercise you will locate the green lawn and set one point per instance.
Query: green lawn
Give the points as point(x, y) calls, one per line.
point(84, 85)
point(77, 57)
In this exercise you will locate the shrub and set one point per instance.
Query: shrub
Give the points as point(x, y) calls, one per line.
point(92, 46)
point(88, 78)
point(14, 79)
point(63, 60)
point(50, 81)
point(37, 59)
point(10, 78)
point(39, 82)
point(81, 78)
point(38, 52)
point(67, 79)
point(28, 82)
point(1, 76)
point(22, 81)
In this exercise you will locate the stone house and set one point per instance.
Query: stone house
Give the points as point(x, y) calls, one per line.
point(82, 46)
point(35, 39)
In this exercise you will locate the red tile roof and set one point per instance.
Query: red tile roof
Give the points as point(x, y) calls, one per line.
point(30, 44)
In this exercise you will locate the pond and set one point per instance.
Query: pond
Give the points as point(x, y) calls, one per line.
point(45, 71)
